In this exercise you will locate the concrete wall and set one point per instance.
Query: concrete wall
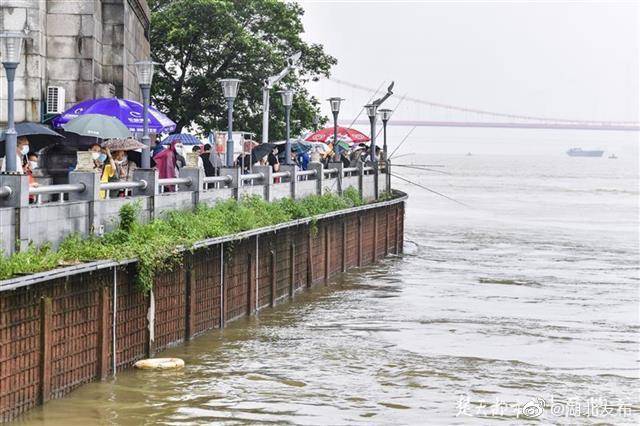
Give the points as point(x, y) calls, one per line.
point(88, 47)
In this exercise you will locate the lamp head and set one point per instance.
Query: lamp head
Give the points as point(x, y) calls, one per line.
point(230, 87)
point(287, 97)
point(144, 72)
point(372, 110)
point(11, 46)
point(335, 104)
point(385, 114)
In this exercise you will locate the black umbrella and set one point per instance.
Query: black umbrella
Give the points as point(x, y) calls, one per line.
point(39, 136)
point(260, 151)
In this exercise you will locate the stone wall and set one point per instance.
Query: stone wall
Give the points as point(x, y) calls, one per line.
point(88, 47)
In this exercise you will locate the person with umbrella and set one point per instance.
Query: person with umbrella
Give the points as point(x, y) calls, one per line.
point(22, 150)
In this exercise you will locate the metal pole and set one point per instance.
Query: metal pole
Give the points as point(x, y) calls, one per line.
point(373, 138)
point(11, 136)
point(265, 114)
point(146, 153)
point(230, 132)
point(335, 127)
point(384, 135)
point(287, 147)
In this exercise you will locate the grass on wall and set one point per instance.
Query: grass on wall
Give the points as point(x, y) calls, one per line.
point(157, 245)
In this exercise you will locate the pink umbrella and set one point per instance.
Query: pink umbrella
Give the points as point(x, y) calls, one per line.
point(351, 136)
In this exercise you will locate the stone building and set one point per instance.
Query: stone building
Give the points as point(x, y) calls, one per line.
point(87, 47)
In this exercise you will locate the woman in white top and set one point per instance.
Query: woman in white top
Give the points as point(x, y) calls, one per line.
point(21, 151)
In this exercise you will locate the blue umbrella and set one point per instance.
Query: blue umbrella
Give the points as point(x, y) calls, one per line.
point(183, 138)
point(127, 111)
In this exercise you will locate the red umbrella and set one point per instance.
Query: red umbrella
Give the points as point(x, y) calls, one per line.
point(346, 134)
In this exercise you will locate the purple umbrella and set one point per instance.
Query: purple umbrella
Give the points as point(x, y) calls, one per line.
point(125, 110)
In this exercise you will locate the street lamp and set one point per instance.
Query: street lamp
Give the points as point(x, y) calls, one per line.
point(315, 121)
point(372, 112)
point(268, 84)
point(230, 91)
point(287, 101)
point(385, 115)
point(10, 50)
point(144, 71)
point(335, 109)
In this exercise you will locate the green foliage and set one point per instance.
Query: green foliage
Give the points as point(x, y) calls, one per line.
point(158, 245)
point(353, 195)
point(199, 42)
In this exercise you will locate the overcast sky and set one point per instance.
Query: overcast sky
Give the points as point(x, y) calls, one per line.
point(560, 59)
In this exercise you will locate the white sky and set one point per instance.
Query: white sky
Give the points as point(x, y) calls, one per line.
point(560, 59)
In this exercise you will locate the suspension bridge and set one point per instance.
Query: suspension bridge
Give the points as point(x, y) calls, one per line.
point(444, 115)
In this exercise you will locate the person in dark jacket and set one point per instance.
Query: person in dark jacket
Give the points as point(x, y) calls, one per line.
point(209, 170)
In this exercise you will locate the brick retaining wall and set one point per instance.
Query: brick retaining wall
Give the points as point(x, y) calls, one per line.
point(56, 335)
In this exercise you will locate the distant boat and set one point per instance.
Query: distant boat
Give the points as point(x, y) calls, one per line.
point(613, 157)
point(579, 152)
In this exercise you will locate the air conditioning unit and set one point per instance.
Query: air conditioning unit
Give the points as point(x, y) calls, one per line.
point(55, 100)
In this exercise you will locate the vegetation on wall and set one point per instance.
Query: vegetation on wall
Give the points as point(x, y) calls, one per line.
point(158, 245)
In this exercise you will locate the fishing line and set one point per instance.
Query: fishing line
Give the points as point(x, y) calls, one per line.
point(431, 190)
point(370, 99)
point(421, 168)
point(401, 142)
point(392, 112)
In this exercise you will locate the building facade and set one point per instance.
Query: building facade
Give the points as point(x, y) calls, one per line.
point(86, 47)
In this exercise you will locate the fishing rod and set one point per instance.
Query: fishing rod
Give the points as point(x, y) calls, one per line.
point(392, 112)
point(421, 168)
point(370, 99)
point(402, 141)
point(431, 190)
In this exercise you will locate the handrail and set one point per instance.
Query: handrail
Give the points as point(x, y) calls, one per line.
point(57, 189)
point(330, 171)
point(367, 169)
point(5, 192)
point(250, 176)
point(142, 184)
point(174, 181)
point(349, 170)
point(281, 174)
point(213, 179)
point(307, 173)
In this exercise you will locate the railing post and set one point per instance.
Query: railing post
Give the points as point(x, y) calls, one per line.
point(196, 175)
point(235, 183)
point(338, 166)
point(293, 178)
point(267, 181)
point(360, 166)
point(46, 321)
point(376, 172)
point(19, 200)
point(91, 194)
point(150, 176)
point(319, 168)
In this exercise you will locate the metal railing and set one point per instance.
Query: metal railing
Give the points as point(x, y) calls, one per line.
point(350, 171)
point(163, 183)
point(60, 190)
point(5, 192)
point(216, 182)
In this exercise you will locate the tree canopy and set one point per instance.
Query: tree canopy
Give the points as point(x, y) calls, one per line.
point(199, 42)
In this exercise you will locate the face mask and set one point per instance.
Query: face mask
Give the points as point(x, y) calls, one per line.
point(25, 150)
point(95, 155)
point(33, 165)
point(118, 162)
point(101, 157)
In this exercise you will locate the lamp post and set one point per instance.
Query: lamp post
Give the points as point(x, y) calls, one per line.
point(292, 61)
point(315, 121)
point(230, 91)
point(144, 71)
point(372, 112)
point(287, 101)
point(385, 115)
point(10, 50)
point(335, 109)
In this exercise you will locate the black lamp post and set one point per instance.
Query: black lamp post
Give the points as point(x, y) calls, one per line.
point(287, 101)
point(144, 71)
point(10, 50)
point(335, 109)
point(385, 115)
point(372, 112)
point(230, 91)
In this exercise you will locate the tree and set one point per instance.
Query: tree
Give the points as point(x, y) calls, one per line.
point(199, 42)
